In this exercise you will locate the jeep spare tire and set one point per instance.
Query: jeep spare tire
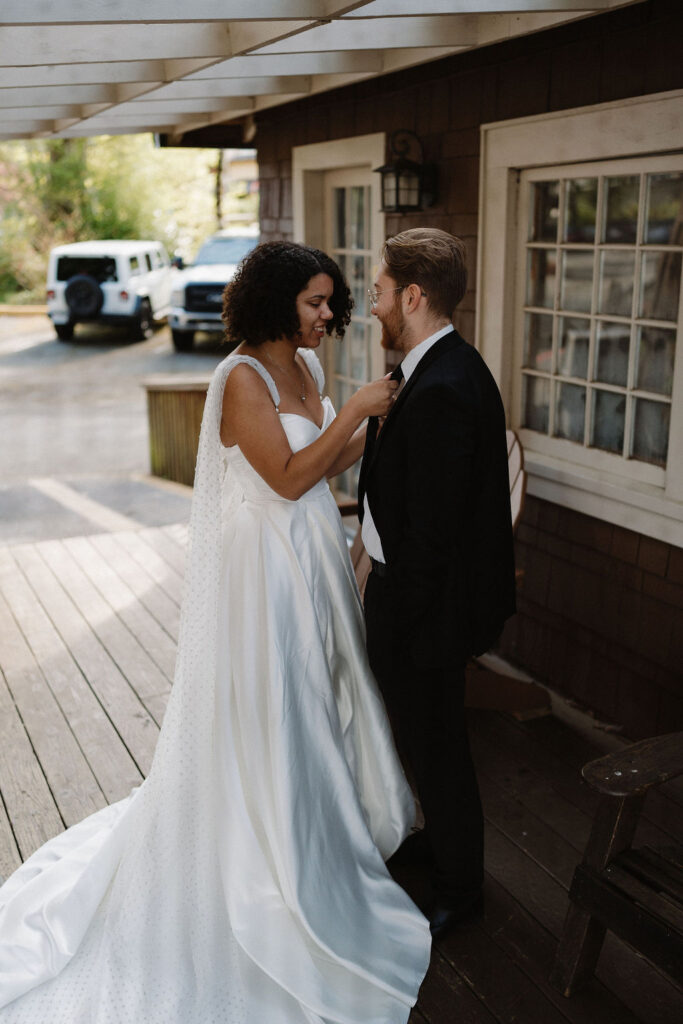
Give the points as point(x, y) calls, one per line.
point(83, 295)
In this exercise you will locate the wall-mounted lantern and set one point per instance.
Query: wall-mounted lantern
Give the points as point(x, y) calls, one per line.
point(408, 184)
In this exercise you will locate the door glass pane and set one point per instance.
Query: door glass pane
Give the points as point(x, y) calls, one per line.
point(661, 281)
point(570, 412)
point(357, 229)
point(544, 211)
point(572, 356)
point(541, 278)
point(609, 413)
point(611, 353)
point(357, 338)
point(581, 202)
point(356, 275)
point(664, 223)
point(339, 227)
point(656, 348)
point(651, 431)
point(538, 341)
point(536, 403)
point(577, 281)
point(617, 270)
point(341, 355)
point(621, 220)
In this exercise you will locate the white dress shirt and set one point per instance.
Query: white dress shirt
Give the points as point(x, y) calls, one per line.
point(371, 540)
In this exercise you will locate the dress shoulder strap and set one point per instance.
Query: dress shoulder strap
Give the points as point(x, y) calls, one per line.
point(232, 361)
point(314, 368)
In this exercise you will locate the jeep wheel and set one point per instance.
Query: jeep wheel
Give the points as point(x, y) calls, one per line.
point(143, 327)
point(64, 332)
point(84, 297)
point(182, 340)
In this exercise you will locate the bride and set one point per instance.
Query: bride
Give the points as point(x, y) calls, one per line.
point(244, 882)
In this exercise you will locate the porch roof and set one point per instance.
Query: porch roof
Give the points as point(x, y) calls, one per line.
point(114, 67)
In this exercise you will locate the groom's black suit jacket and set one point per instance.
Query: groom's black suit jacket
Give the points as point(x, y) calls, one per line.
point(437, 485)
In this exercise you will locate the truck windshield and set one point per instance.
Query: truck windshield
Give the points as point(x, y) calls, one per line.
point(225, 250)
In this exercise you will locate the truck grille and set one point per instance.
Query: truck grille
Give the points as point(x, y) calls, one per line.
point(204, 298)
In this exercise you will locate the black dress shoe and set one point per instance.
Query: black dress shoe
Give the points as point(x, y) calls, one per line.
point(443, 919)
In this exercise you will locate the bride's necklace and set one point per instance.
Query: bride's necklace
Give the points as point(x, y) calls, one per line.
point(287, 373)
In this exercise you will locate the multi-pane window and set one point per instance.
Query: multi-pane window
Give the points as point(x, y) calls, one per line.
point(351, 249)
point(602, 265)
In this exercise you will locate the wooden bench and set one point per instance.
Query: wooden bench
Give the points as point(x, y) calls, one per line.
point(635, 893)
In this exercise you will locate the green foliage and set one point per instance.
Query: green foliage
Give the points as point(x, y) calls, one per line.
point(65, 190)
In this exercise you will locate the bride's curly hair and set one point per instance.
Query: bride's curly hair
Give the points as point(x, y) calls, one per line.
point(259, 304)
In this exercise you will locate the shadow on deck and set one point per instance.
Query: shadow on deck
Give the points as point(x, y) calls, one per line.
point(88, 628)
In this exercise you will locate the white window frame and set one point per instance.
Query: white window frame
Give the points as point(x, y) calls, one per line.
point(633, 128)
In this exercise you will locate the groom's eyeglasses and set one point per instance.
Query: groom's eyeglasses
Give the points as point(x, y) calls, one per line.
point(374, 295)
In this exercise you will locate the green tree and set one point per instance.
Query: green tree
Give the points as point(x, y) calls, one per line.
point(64, 190)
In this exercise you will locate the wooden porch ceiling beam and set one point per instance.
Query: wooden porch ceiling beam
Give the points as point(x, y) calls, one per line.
point(391, 33)
point(411, 8)
point(229, 105)
point(79, 44)
point(66, 94)
point(84, 74)
point(210, 88)
point(301, 63)
point(47, 112)
point(99, 12)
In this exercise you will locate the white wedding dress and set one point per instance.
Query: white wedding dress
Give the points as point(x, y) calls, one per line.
point(244, 881)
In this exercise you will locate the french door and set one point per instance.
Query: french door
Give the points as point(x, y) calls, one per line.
point(352, 239)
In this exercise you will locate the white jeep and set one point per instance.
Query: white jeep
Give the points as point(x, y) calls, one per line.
point(113, 282)
point(197, 298)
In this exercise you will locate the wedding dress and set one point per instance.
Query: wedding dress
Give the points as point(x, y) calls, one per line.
point(244, 881)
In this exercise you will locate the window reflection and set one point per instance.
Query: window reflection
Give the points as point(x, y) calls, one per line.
point(664, 224)
point(536, 403)
point(621, 220)
point(651, 431)
point(538, 347)
point(545, 200)
point(660, 282)
point(577, 281)
point(609, 414)
point(581, 203)
point(541, 278)
point(572, 355)
point(656, 347)
point(611, 353)
point(617, 270)
point(570, 412)
point(613, 305)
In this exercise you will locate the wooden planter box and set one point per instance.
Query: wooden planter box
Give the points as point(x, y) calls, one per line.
point(174, 410)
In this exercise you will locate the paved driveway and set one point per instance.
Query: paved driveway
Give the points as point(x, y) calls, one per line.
point(73, 429)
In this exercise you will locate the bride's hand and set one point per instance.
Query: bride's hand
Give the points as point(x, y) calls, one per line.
point(375, 398)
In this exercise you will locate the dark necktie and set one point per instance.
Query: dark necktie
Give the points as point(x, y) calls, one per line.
point(370, 438)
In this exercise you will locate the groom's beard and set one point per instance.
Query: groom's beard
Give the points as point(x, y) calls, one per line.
point(393, 328)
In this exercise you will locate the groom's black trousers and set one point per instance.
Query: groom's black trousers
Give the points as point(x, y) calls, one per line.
point(426, 708)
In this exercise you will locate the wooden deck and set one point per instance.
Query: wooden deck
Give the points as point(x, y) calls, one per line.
point(87, 642)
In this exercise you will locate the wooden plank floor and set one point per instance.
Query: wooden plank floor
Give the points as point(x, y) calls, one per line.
point(88, 628)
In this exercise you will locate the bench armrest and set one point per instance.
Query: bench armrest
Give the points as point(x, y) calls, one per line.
point(635, 769)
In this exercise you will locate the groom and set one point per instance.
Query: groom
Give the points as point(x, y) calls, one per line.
point(435, 510)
